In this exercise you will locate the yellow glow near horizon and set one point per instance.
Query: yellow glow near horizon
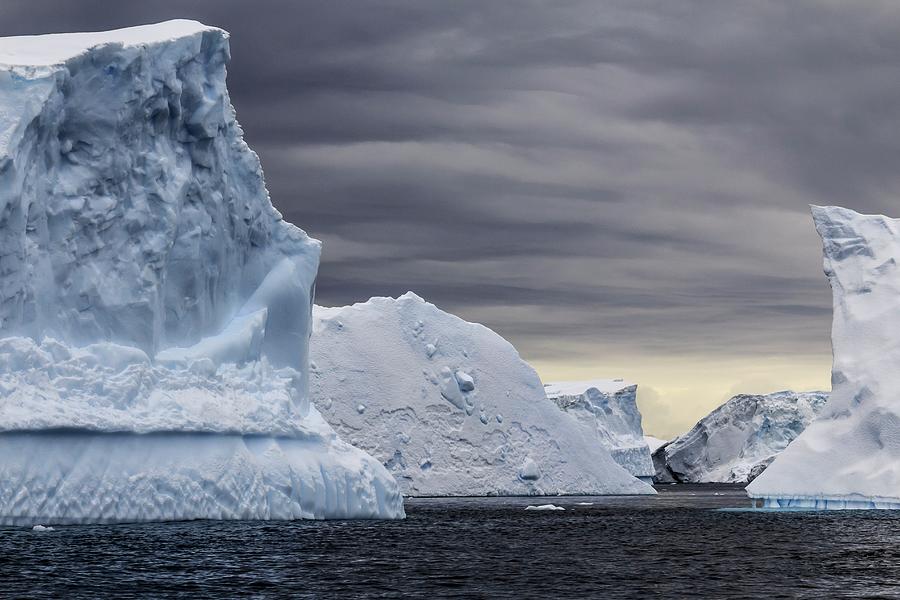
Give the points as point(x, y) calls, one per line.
point(675, 392)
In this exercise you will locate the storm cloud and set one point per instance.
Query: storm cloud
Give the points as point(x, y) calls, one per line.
point(593, 180)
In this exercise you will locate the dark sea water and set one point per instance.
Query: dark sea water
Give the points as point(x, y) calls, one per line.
point(675, 545)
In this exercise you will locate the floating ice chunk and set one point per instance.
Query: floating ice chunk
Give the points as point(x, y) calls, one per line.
point(378, 357)
point(738, 440)
point(544, 507)
point(850, 456)
point(41, 528)
point(607, 410)
point(140, 237)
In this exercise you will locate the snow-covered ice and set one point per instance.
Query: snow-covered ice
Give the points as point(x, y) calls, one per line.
point(41, 528)
point(544, 507)
point(737, 441)
point(607, 409)
point(451, 408)
point(154, 306)
point(850, 456)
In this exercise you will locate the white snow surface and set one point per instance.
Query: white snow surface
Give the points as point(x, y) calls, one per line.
point(451, 408)
point(607, 410)
point(850, 456)
point(736, 441)
point(154, 306)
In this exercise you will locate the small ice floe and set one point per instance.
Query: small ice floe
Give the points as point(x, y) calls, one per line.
point(41, 528)
point(544, 507)
point(584, 504)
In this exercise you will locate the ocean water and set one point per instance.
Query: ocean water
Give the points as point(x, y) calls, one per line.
point(675, 545)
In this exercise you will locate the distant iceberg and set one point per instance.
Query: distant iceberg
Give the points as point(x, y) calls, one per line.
point(154, 306)
point(737, 441)
point(850, 456)
point(607, 409)
point(449, 406)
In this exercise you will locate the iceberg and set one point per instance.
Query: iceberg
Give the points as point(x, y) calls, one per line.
point(737, 441)
point(850, 456)
point(449, 406)
point(155, 308)
point(607, 409)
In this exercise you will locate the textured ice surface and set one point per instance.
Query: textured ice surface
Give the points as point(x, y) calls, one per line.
point(148, 286)
point(451, 408)
point(69, 477)
point(850, 456)
point(738, 440)
point(607, 409)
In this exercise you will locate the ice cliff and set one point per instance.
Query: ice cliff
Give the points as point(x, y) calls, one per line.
point(607, 410)
point(154, 306)
point(738, 440)
point(850, 456)
point(449, 406)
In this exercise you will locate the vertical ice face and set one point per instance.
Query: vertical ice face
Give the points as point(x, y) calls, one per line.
point(132, 211)
point(148, 285)
point(449, 406)
point(850, 457)
point(738, 440)
point(607, 408)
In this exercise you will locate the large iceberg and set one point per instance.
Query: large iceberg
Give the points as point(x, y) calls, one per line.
point(154, 306)
point(449, 406)
point(737, 441)
point(850, 456)
point(607, 409)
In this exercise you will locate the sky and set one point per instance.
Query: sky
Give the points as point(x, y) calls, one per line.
point(619, 188)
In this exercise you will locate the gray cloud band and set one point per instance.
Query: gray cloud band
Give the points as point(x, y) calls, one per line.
point(624, 176)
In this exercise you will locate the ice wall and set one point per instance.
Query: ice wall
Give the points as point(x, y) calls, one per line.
point(607, 409)
point(449, 406)
point(850, 457)
point(737, 441)
point(147, 285)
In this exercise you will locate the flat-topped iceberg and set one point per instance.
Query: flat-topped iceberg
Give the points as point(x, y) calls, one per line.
point(154, 306)
point(850, 456)
point(737, 441)
point(607, 409)
point(449, 406)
